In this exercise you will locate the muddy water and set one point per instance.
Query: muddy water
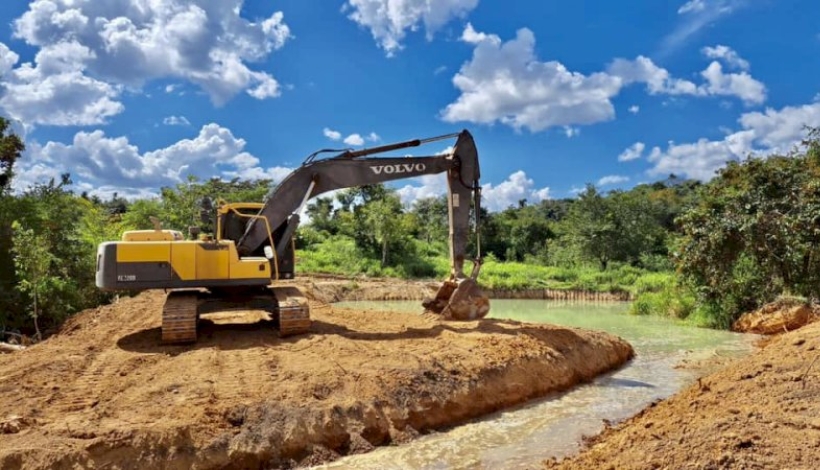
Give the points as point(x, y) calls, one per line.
point(554, 425)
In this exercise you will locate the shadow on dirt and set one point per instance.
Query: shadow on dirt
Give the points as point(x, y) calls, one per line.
point(263, 334)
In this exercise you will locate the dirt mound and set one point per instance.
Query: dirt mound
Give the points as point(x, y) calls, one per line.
point(105, 393)
point(759, 412)
point(780, 316)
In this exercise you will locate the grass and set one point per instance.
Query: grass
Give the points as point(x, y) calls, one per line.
point(339, 255)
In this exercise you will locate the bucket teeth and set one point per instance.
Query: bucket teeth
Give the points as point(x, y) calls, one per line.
point(179, 318)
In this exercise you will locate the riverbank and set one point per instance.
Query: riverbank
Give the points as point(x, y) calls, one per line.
point(104, 393)
point(346, 289)
point(757, 412)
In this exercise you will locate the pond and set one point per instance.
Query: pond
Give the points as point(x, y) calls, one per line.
point(555, 424)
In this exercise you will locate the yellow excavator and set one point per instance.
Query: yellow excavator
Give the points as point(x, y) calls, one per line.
point(251, 251)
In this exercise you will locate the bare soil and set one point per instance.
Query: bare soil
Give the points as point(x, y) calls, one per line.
point(103, 393)
point(758, 412)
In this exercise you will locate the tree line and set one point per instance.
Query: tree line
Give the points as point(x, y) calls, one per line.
point(746, 236)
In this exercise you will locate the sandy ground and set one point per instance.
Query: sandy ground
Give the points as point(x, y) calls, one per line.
point(103, 393)
point(759, 412)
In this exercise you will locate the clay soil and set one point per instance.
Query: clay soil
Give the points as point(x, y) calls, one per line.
point(103, 392)
point(759, 412)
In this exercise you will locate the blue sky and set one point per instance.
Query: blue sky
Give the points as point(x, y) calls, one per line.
point(132, 95)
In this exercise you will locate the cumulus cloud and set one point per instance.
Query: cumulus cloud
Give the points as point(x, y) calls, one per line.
point(505, 82)
point(54, 90)
point(354, 139)
point(727, 54)
point(571, 132)
point(495, 198)
point(717, 82)
point(657, 79)
point(634, 152)
point(331, 134)
point(90, 51)
point(761, 133)
point(98, 161)
point(390, 20)
point(8, 59)
point(612, 179)
point(634, 109)
point(741, 85)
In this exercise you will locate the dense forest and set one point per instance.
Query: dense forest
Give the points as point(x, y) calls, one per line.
point(702, 251)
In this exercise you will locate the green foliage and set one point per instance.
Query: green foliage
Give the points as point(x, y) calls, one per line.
point(11, 146)
point(33, 261)
point(755, 233)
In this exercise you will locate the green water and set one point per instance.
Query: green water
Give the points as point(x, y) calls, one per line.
point(554, 425)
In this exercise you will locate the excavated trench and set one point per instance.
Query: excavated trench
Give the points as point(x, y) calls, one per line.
point(105, 393)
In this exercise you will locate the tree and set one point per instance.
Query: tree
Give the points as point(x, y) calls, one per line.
point(11, 146)
point(755, 232)
point(32, 262)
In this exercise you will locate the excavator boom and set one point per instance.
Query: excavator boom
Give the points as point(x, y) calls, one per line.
point(360, 167)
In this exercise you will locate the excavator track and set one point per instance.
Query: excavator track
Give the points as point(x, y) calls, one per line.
point(179, 317)
point(292, 315)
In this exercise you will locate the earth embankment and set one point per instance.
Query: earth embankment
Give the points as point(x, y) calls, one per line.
point(758, 412)
point(104, 393)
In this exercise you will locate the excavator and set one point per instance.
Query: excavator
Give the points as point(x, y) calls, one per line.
point(246, 262)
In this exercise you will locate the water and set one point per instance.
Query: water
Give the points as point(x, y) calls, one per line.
point(553, 426)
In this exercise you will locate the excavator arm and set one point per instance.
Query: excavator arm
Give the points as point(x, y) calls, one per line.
point(459, 297)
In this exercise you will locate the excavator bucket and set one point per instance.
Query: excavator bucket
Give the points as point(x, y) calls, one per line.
point(460, 300)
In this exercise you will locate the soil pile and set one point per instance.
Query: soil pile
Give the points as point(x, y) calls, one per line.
point(104, 393)
point(758, 412)
point(777, 317)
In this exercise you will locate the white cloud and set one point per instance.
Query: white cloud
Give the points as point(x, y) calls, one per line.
point(176, 121)
point(8, 59)
point(331, 134)
point(634, 109)
point(762, 133)
point(354, 139)
point(423, 187)
point(90, 51)
point(727, 54)
point(495, 198)
point(507, 193)
point(696, 15)
point(505, 82)
point(692, 6)
point(612, 179)
point(741, 85)
point(659, 81)
point(97, 161)
point(634, 152)
point(389, 20)
point(571, 132)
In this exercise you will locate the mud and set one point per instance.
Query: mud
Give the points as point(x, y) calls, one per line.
point(103, 393)
point(759, 412)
